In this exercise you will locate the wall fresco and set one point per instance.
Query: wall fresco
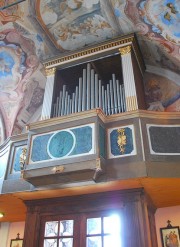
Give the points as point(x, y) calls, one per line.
point(162, 94)
point(18, 68)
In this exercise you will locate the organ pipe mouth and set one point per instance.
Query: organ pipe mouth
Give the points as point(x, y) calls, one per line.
point(90, 93)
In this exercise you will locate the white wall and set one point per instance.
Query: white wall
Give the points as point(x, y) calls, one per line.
point(4, 231)
point(14, 229)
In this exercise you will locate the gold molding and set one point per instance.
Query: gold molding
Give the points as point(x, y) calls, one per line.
point(22, 160)
point(90, 51)
point(131, 103)
point(50, 71)
point(125, 50)
point(121, 140)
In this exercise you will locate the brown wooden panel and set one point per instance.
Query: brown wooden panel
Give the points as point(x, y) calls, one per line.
point(164, 192)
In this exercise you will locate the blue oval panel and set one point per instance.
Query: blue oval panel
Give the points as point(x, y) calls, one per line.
point(61, 144)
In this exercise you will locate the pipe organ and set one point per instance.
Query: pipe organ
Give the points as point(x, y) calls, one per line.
point(115, 86)
point(90, 93)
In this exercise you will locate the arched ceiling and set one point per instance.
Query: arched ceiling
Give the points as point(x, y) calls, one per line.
point(36, 30)
point(73, 24)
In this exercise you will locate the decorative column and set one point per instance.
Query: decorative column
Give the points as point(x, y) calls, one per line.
point(129, 80)
point(47, 102)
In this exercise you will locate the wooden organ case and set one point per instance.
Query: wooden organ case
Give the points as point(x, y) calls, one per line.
point(84, 90)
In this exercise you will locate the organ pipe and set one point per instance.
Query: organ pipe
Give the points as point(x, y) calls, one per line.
point(80, 95)
point(91, 93)
point(88, 86)
point(92, 89)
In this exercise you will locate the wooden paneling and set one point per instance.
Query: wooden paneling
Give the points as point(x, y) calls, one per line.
point(164, 192)
point(132, 205)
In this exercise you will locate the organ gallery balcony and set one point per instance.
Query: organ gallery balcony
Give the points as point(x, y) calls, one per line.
point(90, 147)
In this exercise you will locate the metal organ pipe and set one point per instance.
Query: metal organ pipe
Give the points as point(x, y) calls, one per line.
point(80, 95)
point(73, 103)
point(76, 100)
point(92, 89)
point(103, 99)
point(115, 93)
point(108, 100)
point(96, 91)
point(63, 99)
point(60, 103)
point(88, 86)
point(84, 91)
point(91, 93)
point(105, 102)
point(100, 94)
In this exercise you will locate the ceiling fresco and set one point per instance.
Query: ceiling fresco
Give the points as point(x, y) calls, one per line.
point(36, 30)
point(74, 24)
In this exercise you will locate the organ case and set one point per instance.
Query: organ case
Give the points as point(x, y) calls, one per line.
point(107, 76)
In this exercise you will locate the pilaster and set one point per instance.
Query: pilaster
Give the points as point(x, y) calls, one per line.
point(129, 80)
point(48, 95)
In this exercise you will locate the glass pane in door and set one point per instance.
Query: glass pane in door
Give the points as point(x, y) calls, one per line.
point(94, 241)
point(50, 243)
point(66, 242)
point(93, 226)
point(66, 227)
point(51, 229)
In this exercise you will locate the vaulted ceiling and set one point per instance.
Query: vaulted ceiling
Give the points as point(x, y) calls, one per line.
point(36, 30)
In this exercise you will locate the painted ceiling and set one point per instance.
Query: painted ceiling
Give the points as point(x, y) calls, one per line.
point(36, 30)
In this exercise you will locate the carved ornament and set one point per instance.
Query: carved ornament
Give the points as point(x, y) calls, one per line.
point(50, 71)
point(125, 50)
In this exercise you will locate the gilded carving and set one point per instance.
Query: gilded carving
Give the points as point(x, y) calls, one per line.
point(121, 140)
point(22, 160)
point(51, 71)
point(125, 50)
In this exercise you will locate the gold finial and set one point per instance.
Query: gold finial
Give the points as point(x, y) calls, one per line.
point(121, 141)
point(50, 71)
point(125, 50)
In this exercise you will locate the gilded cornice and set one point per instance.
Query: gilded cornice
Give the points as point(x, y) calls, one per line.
point(106, 46)
point(114, 45)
